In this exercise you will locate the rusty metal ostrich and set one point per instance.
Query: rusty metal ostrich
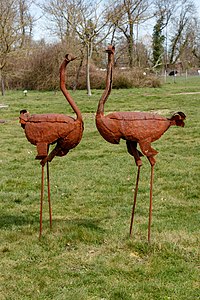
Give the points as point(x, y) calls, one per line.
point(42, 130)
point(136, 128)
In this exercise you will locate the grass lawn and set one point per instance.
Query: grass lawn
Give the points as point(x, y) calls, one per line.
point(88, 255)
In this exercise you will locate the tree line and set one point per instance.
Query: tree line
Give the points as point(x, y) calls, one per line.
point(85, 28)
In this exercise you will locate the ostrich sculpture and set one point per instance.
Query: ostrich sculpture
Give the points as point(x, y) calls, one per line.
point(141, 128)
point(42, 130)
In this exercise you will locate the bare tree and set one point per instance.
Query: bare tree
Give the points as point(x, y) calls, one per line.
point(82, 22)
point(178, 17)
point(181, 24)
point(164, 10)
point(15, 28)
point(196, 42)
point(126, 16)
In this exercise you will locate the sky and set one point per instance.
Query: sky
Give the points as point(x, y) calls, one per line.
point(39, 31)
point(197, 2)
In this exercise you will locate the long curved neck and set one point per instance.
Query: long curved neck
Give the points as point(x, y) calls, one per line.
point(65, 91)
point(109, 79)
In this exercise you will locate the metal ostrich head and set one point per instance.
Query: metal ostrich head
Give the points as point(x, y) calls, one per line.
point(23, 118)
point(110, 49)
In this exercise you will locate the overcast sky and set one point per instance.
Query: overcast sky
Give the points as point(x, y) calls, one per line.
point(40, 32)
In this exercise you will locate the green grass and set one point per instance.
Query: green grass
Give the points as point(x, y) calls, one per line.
point(88, 255)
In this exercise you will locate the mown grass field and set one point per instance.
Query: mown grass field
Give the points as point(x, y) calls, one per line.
point(88, 255)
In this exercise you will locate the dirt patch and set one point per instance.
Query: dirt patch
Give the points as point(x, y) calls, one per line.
point(186, 93)
point(3, 106)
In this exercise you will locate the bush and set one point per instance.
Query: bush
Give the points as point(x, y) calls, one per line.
point(134, 78)
point(39, 70)
point(121, 79)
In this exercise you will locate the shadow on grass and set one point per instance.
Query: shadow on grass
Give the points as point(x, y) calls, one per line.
point(75, 227)
point(8, 221)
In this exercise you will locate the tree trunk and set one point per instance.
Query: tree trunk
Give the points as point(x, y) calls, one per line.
point(78, 72)
point(130, 45)
point(2, 83)
point(88, 71)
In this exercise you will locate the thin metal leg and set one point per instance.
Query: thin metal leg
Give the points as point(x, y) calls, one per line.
point(49, 197)
point(50, 156)
point(41, 200)
point(135, 197)
point(150, 205)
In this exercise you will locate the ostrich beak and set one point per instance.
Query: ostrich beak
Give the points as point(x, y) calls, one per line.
point(70, 57)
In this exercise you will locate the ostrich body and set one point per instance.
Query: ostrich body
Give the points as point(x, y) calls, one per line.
point(42, 130)
point(141, 128)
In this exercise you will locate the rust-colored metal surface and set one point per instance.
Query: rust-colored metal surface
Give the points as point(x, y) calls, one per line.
point(42, 130)
point(141, 128)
